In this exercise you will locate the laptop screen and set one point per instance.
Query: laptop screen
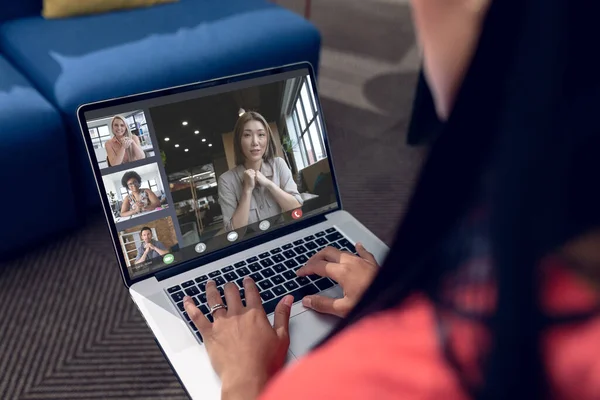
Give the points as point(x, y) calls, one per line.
point(194, 172)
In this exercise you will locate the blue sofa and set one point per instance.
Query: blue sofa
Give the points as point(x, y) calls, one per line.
point(49, 67)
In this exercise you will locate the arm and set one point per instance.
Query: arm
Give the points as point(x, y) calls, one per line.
point(114, 157)
point(243, 390)
point(235, 215)
point(285, 200)
point(287, 195)
point(154, 200)
point(160, 249)
point(136, 147)
point(403, 339)
point(125, 208)
point(242, 212)
point(143, 257)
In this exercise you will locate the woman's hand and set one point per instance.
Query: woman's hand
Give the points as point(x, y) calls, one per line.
point(354, 274)
point(244, 349)
point(249, 180)
point(262, 180)
point(127, 143)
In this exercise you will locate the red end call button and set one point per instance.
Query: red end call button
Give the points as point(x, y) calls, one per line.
point(297, 214)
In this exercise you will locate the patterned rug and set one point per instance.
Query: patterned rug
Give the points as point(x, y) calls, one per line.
point(69, 329)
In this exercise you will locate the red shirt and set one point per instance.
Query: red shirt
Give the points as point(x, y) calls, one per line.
point(396, 354)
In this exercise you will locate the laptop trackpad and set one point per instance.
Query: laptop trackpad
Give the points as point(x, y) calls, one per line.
point(308, 329)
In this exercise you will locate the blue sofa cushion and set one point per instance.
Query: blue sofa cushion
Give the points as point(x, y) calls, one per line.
point(78, 60)
point(11, 9)
point(84, 59)
point(34, 167)
point(31, 129)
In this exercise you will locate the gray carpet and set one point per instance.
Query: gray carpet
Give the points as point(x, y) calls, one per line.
point(68, 328)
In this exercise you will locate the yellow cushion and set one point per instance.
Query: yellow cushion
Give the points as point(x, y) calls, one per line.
point(70, 8)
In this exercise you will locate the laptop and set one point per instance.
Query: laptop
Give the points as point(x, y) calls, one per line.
point(167, 165)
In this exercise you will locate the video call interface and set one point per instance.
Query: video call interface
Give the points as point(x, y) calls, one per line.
point(186, 178)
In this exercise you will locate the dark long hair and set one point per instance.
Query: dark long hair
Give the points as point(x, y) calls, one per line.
point(525, 113)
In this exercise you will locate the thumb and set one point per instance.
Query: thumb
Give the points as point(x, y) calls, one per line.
point(322, 304)
point(281, 319)
point(364, 254)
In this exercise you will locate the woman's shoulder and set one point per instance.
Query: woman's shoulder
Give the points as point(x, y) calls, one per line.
point(279, 163)
point(230, 177)
point(399, 355)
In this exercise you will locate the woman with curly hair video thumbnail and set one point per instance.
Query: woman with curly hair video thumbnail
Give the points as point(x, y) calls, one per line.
point(138, 200)
point(135, 192)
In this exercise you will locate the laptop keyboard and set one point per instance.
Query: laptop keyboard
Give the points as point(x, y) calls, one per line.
point(274, 273)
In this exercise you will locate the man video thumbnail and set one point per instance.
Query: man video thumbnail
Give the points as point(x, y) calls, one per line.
point(237, 158)
point(148, 243)
point(135, 192)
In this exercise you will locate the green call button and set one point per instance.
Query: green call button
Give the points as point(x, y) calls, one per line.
point(168, 258)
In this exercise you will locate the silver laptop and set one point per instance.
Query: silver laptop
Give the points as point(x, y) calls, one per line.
point(166, 164)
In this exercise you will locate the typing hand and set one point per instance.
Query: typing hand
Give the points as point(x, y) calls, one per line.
point(244, 349)
point(354, 274)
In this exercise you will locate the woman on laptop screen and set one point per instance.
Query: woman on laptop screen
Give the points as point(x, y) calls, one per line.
point(123, 147)
point(261, 185)
point(138, 200)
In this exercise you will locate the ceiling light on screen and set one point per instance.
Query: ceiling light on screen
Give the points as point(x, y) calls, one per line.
point(204, 140)
point(196, 132)
point(184, 123)
point(241, 112)
point(186, 150)
point(167, 139)
point(209, 145)
point(176, 145)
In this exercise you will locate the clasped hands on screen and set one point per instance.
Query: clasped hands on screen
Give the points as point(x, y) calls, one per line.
point(140, 206)
point(126, 142)
point(252, 178)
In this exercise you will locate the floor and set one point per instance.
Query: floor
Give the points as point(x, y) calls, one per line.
point(368, 72)
point(68, 327)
